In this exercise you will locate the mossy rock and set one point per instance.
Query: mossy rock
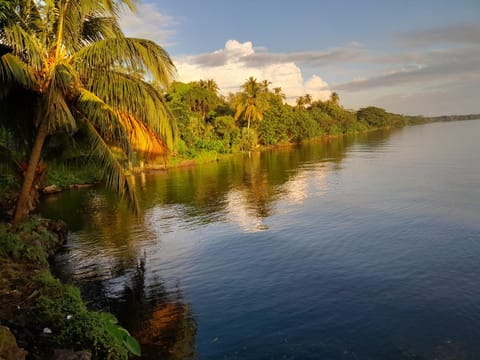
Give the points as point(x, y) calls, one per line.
point(8, 346)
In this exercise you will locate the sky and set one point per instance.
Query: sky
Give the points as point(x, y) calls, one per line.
point(410, 57)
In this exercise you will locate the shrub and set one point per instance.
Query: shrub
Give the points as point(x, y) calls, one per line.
point(61, 308)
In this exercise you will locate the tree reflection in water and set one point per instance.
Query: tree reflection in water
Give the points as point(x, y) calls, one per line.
point(108, 251)
point(160, 320)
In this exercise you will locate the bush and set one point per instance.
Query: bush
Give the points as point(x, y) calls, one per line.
point(61, 308)
point(249, 140)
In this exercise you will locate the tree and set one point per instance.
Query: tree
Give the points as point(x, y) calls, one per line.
point(304, 100)
point(84, 74)
point(265, 84)
point(251, 102)
point(334, 98)
point(300, 102)
point(278, 92)
point(374, 116)
point(210, 84)
point(308, 99)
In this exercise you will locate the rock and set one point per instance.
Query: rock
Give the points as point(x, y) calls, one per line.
point(80, 186)
point(71, 355)
point(8, 346)
point(60, 229)
point(51, 189)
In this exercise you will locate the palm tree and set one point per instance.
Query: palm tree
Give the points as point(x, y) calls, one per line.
point(251, 102)
point(308, 99)
point(300, 102)
point(278, 92)
point(334, 98)
point(265, 84)
point(84, 74)
point(210, 85)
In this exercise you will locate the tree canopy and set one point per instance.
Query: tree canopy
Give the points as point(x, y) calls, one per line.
point(81, 73)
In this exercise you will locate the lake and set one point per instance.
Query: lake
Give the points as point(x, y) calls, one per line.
point(357, 247)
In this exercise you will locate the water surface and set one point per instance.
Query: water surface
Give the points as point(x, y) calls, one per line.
point(362, 247)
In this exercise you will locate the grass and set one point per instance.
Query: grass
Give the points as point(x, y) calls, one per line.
point(64, 175)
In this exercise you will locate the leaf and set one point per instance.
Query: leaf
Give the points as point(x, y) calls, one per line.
point(132, 345)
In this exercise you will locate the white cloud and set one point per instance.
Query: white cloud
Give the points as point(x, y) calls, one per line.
point(147, 22)
point(229, 69)
point(319, 87)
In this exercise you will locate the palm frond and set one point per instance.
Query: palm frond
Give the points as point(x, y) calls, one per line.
point(24, 44)
point(129, 53)
point(133, 96)
point(14, 70)
point(96, 28)
point(105, 119)
point(57, 112)
point(143, 139)
point(115, 173)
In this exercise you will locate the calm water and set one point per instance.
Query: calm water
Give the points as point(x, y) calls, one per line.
point(354, 248)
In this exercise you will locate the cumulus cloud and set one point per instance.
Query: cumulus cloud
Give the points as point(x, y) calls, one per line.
point(147, 23)
point(230, 67)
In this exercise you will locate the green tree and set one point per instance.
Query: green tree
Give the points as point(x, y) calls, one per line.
point(251, 102)
point(278, 92)
point(210, 84)
point(303, 101)
point(265, 86)
point(83, 74)
point(374, 116)
point(334, 98)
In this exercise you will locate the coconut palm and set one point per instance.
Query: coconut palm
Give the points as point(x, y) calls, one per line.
point(308, 99)
point(251, 102)
point(278, 92)
point(300, 101)
point(265, 84)
point(334, 98)
point(83, 73)
point(210, 85)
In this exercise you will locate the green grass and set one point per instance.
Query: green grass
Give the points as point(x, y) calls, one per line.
point(65, 175)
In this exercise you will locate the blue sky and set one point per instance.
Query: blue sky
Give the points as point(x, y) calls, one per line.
point(415, 57)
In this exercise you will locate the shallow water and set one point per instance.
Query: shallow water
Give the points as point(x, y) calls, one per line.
point(362, 247)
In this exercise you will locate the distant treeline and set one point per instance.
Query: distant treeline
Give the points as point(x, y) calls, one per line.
point(209, 123)
point(454, 117)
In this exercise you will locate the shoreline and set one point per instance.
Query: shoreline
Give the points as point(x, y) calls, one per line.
point(42, 317)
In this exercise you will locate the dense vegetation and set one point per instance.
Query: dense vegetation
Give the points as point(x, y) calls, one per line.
point(32, 298)
point(259, 116)
point(68, 73)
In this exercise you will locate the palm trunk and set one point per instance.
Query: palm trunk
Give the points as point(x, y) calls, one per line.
point(22, 208)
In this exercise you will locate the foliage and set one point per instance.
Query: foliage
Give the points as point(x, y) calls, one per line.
point(251, 102)
point(61, 308)
point(52, 304)
point(27, 243)
point(249, 140)
point(64, 174)
point(74, 69)
point(373, 116)
point(219, 132)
